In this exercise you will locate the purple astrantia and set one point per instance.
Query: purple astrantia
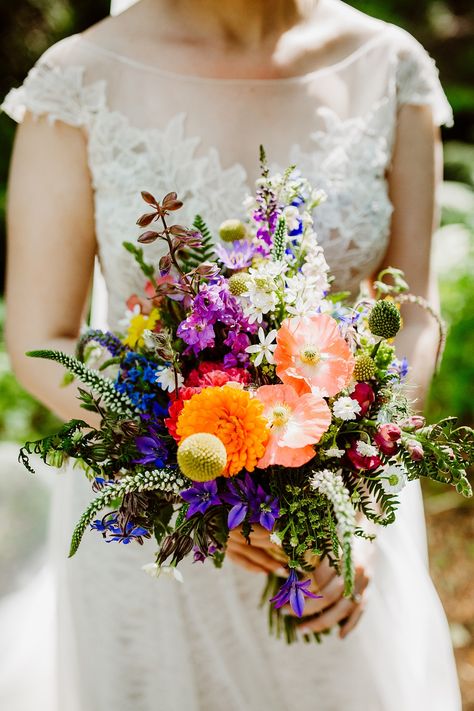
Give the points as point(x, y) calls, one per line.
point(250, 501)
point(239, 256)
point(294, 591)
point(152, 448)
point(113, 532)
point(200, 497)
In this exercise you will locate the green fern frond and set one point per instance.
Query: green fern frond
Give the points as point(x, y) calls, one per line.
point(61, 442)
point(192, 257)
point(147, 269)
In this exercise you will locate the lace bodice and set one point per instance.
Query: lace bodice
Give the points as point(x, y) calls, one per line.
point(155, 130)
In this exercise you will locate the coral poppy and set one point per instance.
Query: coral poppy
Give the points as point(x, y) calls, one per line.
point(296, 423)
point(312, 354)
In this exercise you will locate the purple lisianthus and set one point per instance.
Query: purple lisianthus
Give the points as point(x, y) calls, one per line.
point(200, 497)
point(293, 591)
point(239, 256)
point(152, 448)
point(250, 501)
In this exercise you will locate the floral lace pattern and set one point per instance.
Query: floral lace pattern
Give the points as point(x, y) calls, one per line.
point(348, 158)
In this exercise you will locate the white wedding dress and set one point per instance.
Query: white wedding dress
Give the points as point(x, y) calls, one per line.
point(128, 642)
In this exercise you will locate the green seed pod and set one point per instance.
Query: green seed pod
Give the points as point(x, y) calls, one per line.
point(384, 319)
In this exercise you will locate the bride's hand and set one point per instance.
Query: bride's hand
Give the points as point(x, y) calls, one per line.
point(263, 556)
point(332, 607)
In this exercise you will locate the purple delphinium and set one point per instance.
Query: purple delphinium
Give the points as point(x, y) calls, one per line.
point(200, 497)
point(152, 448)
point(293, 591)
point(113, 532)
point(238, 256)
point(251, 501)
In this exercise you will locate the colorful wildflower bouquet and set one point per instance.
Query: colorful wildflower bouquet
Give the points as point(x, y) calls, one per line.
point(240, 391)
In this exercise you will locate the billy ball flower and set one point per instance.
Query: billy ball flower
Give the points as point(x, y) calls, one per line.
point(364, 368)
point(232, 415)
point(202, 456)
point(238, 283)
point(384, 319)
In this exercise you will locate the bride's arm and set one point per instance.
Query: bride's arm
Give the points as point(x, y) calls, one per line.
point(413, 182)
point(51, 248)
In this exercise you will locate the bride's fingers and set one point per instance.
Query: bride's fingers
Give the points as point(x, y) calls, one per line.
point(244, 562)
point(329, 618)
point(256, 555)
point(322, 575)
point(352, 620)
point(331, 593)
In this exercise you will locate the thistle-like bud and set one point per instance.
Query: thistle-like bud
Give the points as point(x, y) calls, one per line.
point(232, 230)
point(364, 368)
point(202, 456)
point(238, 283)
point(384, 319)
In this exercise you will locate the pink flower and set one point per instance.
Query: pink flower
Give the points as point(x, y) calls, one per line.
point(296, 423)
point(387, 438)
point(415, 422)
point(312, 354)
point(364, 395)
point(360, 462)
point(415, 449)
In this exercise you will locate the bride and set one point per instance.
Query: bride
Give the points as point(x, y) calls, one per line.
point(177, 95)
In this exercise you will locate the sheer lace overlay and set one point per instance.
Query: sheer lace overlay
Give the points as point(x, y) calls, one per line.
point(129, 642)
point(337, 127)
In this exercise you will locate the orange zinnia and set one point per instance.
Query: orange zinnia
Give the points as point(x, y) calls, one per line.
point(311, 355)
point(235, 417)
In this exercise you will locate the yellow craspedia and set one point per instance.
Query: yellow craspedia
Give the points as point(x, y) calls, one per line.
point(202, 456)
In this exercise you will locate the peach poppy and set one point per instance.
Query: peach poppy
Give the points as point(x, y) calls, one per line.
point(312, 354)
point(296, 423)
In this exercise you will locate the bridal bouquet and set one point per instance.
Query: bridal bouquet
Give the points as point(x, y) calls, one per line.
point(240, 391)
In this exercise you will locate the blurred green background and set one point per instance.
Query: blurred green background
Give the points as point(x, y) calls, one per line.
point(446, 29)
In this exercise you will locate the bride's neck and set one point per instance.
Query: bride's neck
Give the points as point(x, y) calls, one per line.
point(243, 23)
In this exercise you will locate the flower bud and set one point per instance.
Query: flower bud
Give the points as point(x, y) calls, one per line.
point(415, 449)
point(364, 395)
point(387, 438)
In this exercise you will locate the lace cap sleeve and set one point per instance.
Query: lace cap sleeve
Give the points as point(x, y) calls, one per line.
point(418, 81)
point(57, 90)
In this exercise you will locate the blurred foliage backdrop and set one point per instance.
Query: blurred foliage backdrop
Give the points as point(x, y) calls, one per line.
point(445, 28)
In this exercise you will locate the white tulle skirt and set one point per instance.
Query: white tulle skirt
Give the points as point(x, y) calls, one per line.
point(94, 633)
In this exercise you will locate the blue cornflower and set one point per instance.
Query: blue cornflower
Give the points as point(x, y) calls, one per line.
point(200, 497)
point(293, 591)
point(112, 531)
point(252, 501)
point(399, 368)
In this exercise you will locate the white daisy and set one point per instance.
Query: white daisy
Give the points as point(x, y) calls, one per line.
point(394, 479)
point(366, 450)
point(165, 377)
point(265, 348)
point(345, 408)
